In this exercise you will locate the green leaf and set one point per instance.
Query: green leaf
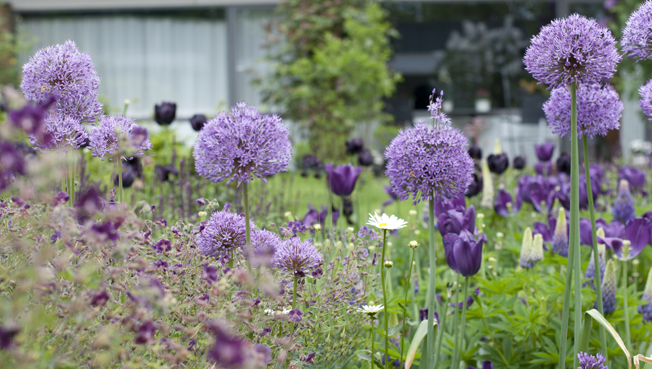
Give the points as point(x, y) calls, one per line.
point(602, 321)
point(395, 329)
point(402, 307)
point(421, 332)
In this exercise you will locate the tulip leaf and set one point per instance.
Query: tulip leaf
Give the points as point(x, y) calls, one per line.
point(421, 332)
point(647, 360)
point(612, 331)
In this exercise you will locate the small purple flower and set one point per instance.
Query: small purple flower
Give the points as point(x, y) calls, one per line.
point(228, 350)
point(7, 335)
point(342, 179)
point(161, 264)
point(100, 298)
point(60, 198)
point(55, 236)
point(310, 358)
point(295, 315)
point(265, 332)
point(587, 361)
point(165, 113)
point(106, 231)
point(201, 202)
point(162, 245)
point(145, 333)
point(487, 364)
point(209, 273)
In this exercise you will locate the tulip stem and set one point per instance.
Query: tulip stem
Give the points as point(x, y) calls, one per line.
point(456, 321)
point(432, 286)
point(407, 287)
point(628, 335)
point(245, 192)
point(462, 328)
point(596, 257)
point(382, 280)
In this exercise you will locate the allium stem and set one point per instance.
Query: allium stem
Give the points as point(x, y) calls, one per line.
point(382, 280)
point(628, 335)
point(571, 252)
point(245, 191)
point(455, 320)
point(294, 301)
point(432, 286)
point(462, 327)
point(407, 287)
point(596, 258)
point(574, 239)
point(441, 327)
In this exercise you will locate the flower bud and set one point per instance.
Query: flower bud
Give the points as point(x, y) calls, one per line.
point(389, 264)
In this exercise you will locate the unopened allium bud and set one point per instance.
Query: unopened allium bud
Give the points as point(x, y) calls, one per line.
point(560, 238)
point(609, 288)
point(413, 244)
point(389, 264)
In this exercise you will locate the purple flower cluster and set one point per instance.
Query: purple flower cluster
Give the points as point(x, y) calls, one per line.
point(424, 159)
point(64, 73)
point(572, 49)
point(263, 245)
point(587, 361)
point(599, 110)
point(297, 257)
point(107, 136)
point(637, 33)
point(65, 133)
point(222, 233)
point(624, 209)
point(646, 99)
point(242, 145)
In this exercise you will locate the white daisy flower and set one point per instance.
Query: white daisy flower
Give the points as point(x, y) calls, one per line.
point(371, 309)
point(286, 311)
point(386, 222)
point(269, 312)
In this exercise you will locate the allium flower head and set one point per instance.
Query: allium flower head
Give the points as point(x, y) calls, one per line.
point(623, 209)
point(66, 133)
point(113, 132)
point(637, 34)
point(297, 256)
point(572, 49)
point(426, 159)
point(599, 110)
point(386, 222)
point(66, 74)
point(263, 245)
point(587, 361)
point(222, 233)
point(646, 309)
point(609, 284)
point(646, 99)
point(241, 145)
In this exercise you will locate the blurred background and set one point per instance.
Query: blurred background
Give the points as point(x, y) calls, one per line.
point(334, 69)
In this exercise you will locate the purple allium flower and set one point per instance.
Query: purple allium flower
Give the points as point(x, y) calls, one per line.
point(599, 110)
point(646, 99)
point(222, 233)
point(242, 145)
point(636, 39)
point(572, 49)
point(198, 121)
point(623, 209)
point(64, 73)
point(110, 131)
point(100, 298)
point(424, 159)
point(295, 315)
point(297, 257)
point(55, 236)
point(228, 350)
point(354, 146)
point(65, 134)
point(145, 333)
point(342, 179)
point(587, 361)
point(544, 151)
point(646, 309)
point(7, 335)
point(463, 252)
point(609, 285)
point(263, 246)
point(165, 113)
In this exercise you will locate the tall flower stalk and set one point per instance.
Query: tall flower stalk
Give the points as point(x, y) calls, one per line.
point(625, 260)
point(413, 245)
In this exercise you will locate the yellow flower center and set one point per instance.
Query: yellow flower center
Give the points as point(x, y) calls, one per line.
point(382, 225)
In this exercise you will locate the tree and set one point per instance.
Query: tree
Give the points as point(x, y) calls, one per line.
point(329, 68)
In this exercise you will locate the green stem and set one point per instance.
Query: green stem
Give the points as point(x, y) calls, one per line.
point(432, 286)
point(628, 335)
point(407, 287)
point(571, 252)
point(245, 191)
point(294, 302)
point(441, 327)
point(575, 223)
point(596, 258)
point(382, 277)
point(462, 328)
point(455, 320)
point(371, 336)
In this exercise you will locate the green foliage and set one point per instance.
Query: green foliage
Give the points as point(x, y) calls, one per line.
point(329, 68)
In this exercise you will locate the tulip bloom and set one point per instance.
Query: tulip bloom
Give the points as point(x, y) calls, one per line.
point(464, 252)
point(637, 232)
point(454, 221)
point(341, 179)
point(544, 151)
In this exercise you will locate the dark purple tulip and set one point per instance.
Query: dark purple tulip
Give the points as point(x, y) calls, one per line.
point(475, 152)
point(537, 190)
point(145, 333)
point(228, 351)
point(463, 252)
point(454, 221)
point(365, 158)
point(519, 163)
point(354, 146)
point(311, 162)
point(501, 206)
point(197, 121)
point(163, 172)
point(458, 203)
point(165, 113)
point(543, 168)
point(135, 164)
point(613, 229)
point(313, 216)
point(128, 177)
point(7, 335)
point(475, 187)
point(637, 231)
point(342, 179)
point(634, 176)
point(544, 151)
point(564, 163)
point(498, 163)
